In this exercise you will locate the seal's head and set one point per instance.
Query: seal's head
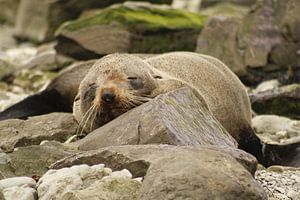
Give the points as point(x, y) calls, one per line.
point(114, 85)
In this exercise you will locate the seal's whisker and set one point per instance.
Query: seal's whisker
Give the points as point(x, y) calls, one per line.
point(91, 112)
point(82, 120)
point(93, 118)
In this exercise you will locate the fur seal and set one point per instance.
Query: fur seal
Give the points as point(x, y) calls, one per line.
point(118, 82)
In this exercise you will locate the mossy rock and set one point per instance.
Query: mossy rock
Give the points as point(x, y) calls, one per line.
point(38, 19)
point(283, 101)
point(130, 27)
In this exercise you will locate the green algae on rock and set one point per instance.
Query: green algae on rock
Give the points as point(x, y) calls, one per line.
point(38, 19)
point(130, 27)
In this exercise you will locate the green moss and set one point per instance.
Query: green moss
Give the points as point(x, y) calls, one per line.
point(142, 18)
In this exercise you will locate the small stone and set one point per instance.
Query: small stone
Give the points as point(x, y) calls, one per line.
point(107, 171)
point(279, 189)
point(292, 194)
point(121, 174)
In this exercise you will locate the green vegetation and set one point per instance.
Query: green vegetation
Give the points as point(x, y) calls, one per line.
point(142, 18)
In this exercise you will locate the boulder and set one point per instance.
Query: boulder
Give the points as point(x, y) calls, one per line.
point(179, 172)
point(138, 158)
point(130, 27)
point(206, 174)
point(221, 32)
point(19, 133)
point(257, 45)
point(259, 32)
point(38, 19)
point(87, 182)
point(177, 118)
point(32, 161)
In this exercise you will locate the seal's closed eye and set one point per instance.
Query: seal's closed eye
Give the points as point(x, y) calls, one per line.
point(157, 77)
point(136, 82)
point(132, 78)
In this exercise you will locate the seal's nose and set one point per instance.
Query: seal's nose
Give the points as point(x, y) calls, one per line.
point(108, 96)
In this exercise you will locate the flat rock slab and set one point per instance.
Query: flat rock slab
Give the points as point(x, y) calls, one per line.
point(130, 27)
point(177, 118)
point(20, 133)
point(179, 172)
point(280, 101)
point(32, 160)
point(137, 158)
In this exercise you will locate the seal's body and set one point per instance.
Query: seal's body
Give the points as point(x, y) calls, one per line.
point(119, 82)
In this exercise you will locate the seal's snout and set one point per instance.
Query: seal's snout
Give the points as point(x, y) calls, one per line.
point(108, 96)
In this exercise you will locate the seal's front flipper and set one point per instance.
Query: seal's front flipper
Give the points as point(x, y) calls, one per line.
point(37, 104)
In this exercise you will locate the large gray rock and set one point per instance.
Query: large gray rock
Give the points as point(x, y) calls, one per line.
point(260, 42)
point(38, 19)
point(138, 158)
point(206, 174)
point(170, 118)
point(130, 27)
point(19, 133)
point(221, 32)
point(179, 170)
point(32, 160)
point(259, 32)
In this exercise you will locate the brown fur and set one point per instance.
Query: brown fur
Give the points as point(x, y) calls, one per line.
point(214, 84)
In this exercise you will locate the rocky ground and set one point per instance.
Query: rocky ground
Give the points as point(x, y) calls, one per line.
point(42, 158)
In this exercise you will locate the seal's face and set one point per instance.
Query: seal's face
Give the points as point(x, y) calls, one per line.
point(112, 88)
